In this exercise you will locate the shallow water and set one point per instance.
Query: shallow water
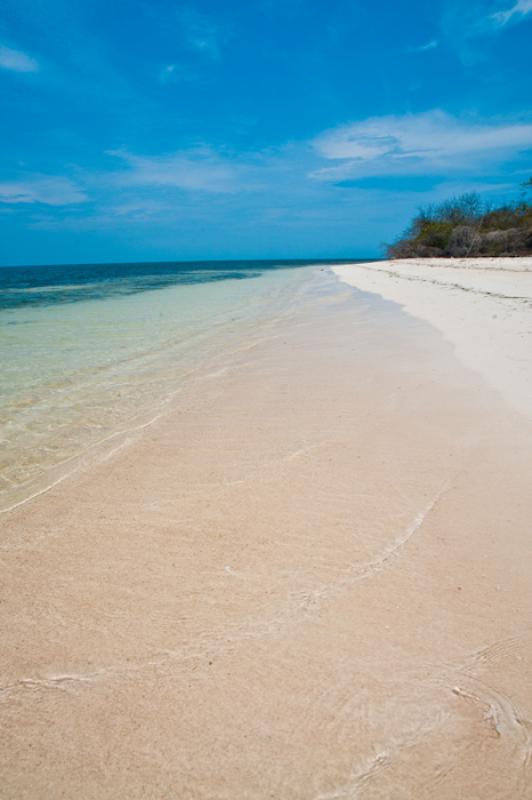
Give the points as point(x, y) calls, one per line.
point(310, 579)
point(89, 351)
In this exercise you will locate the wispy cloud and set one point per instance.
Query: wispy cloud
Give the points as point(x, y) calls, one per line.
point(515, 13)
point(468, 28)
point(17, 60)
point(201, 34)
point(175, 73)
point(140, 209)
point(423, 48)
point(430, 142)
point(201, 169)
point(167, 73)
point(48, 190)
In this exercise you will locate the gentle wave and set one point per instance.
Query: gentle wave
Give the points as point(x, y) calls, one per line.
point(77, 372)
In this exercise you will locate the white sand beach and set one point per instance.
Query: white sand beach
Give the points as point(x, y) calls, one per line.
point(308, 580)
point(266, 497)
point(483, 306)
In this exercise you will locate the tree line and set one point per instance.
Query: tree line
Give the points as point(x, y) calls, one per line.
point(466, 226)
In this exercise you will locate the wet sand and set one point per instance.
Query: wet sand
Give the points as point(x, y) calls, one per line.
point(310, 579)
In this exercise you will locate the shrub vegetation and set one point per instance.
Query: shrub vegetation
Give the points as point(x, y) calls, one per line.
point(464, 226)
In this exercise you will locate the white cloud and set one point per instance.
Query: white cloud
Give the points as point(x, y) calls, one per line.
point(17, 60)
point(432, 142)
point(467, 27)
point(423, 48)
point(520, 9)
point(195, 170)
point(50, 191)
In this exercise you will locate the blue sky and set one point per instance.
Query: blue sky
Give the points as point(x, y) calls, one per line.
point(147, 130)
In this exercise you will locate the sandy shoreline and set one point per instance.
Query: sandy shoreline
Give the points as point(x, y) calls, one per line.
point(482, 305)
point(310, 580)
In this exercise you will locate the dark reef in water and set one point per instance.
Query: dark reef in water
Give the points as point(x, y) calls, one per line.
point(50, 285)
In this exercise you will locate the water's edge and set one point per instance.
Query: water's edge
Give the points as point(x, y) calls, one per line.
point(83, 378)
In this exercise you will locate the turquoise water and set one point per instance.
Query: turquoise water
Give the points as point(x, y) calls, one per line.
point(58, 284)
point(89, 352)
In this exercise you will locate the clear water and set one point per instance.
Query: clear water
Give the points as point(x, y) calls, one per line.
point(90, 351)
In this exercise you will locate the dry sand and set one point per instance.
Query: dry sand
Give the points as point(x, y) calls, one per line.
point(310, 580)
point(481, 305)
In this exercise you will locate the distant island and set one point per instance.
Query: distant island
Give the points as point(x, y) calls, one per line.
point(465, 227)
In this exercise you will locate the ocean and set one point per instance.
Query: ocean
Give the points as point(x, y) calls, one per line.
point(89, 352)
